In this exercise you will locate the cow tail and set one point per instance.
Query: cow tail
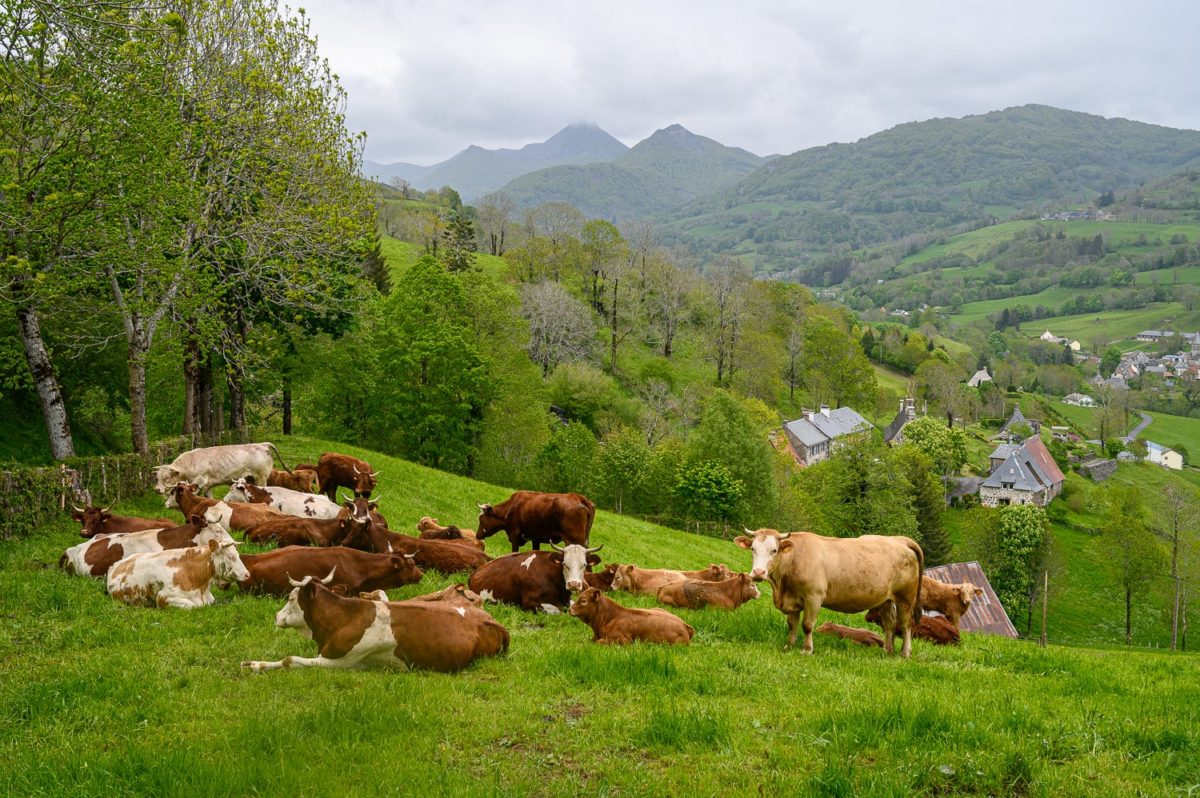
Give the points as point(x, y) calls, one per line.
point(916, 549)
point(280, 457)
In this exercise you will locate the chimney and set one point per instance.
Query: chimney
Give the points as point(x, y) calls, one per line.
point(910, 408)
point(825, 410)
point(808, 414)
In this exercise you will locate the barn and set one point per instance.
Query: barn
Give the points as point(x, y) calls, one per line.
point(986, 615)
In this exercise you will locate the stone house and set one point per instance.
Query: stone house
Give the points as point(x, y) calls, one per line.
point(814, 436)
point(1021, 474)
point(894, 434)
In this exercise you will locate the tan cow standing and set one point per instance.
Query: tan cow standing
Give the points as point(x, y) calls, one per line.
point(808, 572)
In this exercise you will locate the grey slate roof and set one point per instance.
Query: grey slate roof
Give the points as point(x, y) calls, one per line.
point(1004, 451)
point(841, 421)
point(1012, 470)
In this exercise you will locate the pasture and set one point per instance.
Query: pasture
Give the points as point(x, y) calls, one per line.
point(100, 698)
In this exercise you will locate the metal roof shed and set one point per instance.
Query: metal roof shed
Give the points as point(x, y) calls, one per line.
point(986, 615)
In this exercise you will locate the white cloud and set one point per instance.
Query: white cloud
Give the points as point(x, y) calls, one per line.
point(428, 79)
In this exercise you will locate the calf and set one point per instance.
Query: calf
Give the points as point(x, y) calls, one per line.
point(456, 596)
point(99, 521)
point(179, 578)
point(611, 623)
point(934, 628)
point(535, 580)
point(953, 601)
point(443, 556)
point(303, 480)
point(283, 500)
point(602, 580)
point(728, 594)
point(355, 570)
point(632, 579)
point(359, 632)
point(97, 555)
point(864, 637)
point(429, 529)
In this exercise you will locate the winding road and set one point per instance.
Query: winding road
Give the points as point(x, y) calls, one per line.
point(1133, 433)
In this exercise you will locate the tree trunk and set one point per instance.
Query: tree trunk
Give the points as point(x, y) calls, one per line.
point(137, 395)
point(54, 408)
point(237, 403)
point(287, 405)
point(1175, 618)
point(205, 398)
point(191, 389)
point(1128, 616)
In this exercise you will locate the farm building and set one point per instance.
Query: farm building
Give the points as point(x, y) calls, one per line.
point(895, 431)
point(814, 436)
point(1021, 474)
point(1079, 400)
point(979, 378)
point(1161, 455)
point(986, 615)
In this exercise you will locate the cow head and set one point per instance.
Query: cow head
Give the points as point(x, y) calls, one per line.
point(746, 591)
point(489, 522)
point(765, 545)
point(586, 605)
point(427, 524)
point(244, 489)
point(356, 522)
point(292, 614)
point(603, 579)
point(622, 577)
point(180, 488)
point(166, 476)
point(575, 561)
point(404, 569)
point(227, 565)
point(718, 572)
point(91, 520)
point(364, 481)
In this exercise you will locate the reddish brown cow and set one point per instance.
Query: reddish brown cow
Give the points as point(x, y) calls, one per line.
point(602, 580)
point(934, 628)
point(302, 479)
point(94, 557)
point(613, 624)
point(429, 529)
point(728, 594)
point(537, 518)
point(864, 637)
point(293, 531)
point(357, 632)
point(99, 521)
point(633, 579)
point(443, 556)
point(354, 571)
point(538, 580)
point(343, 471)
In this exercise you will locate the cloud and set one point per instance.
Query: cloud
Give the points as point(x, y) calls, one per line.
point(428, 79)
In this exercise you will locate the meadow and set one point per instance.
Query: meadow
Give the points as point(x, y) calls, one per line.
point(98, 698)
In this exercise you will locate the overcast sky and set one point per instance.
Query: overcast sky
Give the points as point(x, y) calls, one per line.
point(428, 78)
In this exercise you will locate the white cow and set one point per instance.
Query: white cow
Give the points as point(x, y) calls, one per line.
point(219, 465)
point(176, 578)
point(285, 500)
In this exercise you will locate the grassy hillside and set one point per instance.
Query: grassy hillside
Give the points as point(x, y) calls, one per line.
point(98, 698)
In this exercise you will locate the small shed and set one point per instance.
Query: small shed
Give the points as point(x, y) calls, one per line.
point(986, 615)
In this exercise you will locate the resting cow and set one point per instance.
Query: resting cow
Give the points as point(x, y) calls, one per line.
point(864, 637)
point(358, 632)
point(355, 570)
point(177, 578)
point(444, 556)
point(429, 529)
point(535, 580)
point(303, 480)
point(95, 521)
point(851, 575)
point(953, 601)
point(633, 579)
point(602, 580)
point(611, 623)
point(532, 517)
point(284, 500)
point(934, 628)
point(218, 465)
point(728, 594)
point(97, 555)
point(238, 515)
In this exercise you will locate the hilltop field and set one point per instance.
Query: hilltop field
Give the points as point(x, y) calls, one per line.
point(98, 698)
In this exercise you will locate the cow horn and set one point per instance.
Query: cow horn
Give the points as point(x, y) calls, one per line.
point(375, 498)
point(109, 507)
point(329, 578)
point(411, 556)
point(556, 548)
point(749, 531)
point(345, 498)
point(79, 510)
point(480, 506)
point(374, 473)
point(301, 583)
point(356, 471)
point(593, 551)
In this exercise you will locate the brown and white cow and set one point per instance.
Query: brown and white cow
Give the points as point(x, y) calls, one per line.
point(429, 529)
point(934, 628)
point(613, 624)
point(99, 521)
point(343, 471)
point(536, 580)
point(953, 601)
point(633, 579)
point(444, 556)
point(97, 555)
point(728, 594)
point(359, 632)
point(356, 571)
point(239, 515)
point(808, 572)
point(175, 578)
point(532, 517)
point(458, 595)
point(283, 500)
point(302, 480)
point(864, 637)
point(218, 465)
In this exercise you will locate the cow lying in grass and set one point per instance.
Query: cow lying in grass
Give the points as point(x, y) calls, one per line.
point(613, 624)
point(176, 577)
point(356, 571)
point(647, 581)
point(728, 594)
point(95, 521)
point(864, 637)
point(359, 632)
point(429, 529)
point(96, 556)
point(934, 628)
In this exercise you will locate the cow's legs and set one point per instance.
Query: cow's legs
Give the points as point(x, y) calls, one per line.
point(906, 629)
point(793, 619)
point(258, 666)
point(888, 620)
point(812, 608)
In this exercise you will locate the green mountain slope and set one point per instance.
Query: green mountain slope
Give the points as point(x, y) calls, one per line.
point(558, 714)
point(931, 175)
point(669, 168)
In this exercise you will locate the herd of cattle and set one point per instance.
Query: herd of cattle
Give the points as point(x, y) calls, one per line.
point(336, 561)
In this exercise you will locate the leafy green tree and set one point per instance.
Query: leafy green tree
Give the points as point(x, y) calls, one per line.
point(928, 502)
point(588, 395)
point(458, 243)
point(728, 435)
point(861, 490)
point(1135, 557)
point(1110, 360)
point(835, 368)
point(945, 447)
point(566, 460)
point(707, 491)
point(622, 465)
point(1022, 545)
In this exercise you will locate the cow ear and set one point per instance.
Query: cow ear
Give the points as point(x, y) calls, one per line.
point(785, 545)
point(978, 591)
point(556, 557)
point(743, 541)
point(196, 520)
point(78, 516)
point(593, 559)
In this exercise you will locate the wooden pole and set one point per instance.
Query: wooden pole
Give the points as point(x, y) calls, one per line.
point(1045, 602)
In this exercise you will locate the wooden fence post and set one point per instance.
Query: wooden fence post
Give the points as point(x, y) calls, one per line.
point(1045, 602)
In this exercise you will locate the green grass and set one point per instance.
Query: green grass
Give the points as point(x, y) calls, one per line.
point(101, 699)
point(1171, 430)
